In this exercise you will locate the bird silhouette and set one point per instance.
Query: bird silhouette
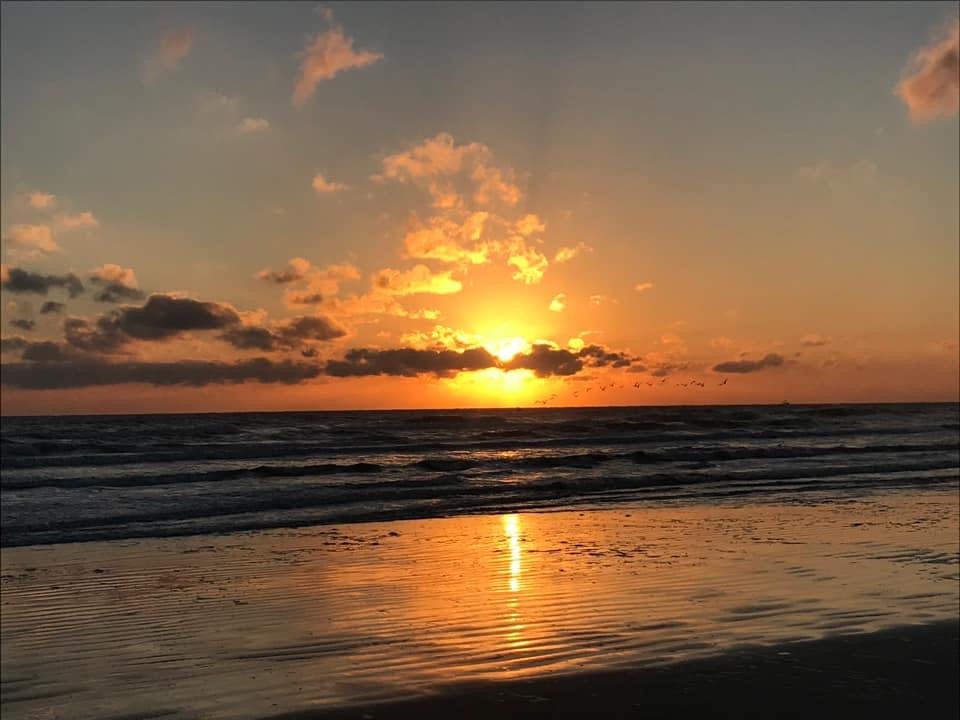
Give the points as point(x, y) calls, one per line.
point(723, 383)
point(636, 385)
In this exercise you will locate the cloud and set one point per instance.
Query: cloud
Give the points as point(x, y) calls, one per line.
point(23, 323)
point(91, 372)
point(173, 47)
point(52, 307)
point(283, 336)
point(566, 254)
point(814, 340)
point(452, 173)
point(116, 284)
point(80, 221)
point(749, 366)
point(252, 126)
point(530, 264)
point(543, 359)
point(931, 89)
point(26, 241)
point(299, 269)
point(41, 200)
point(558, 303)
point(13, 344)
point(18, 280)
point(418, 280)
point(408, 362)
point(443, 238)
point(309, 285)
point(161, 317)
point(324, 186)
point(331, 52)
point(643, 286)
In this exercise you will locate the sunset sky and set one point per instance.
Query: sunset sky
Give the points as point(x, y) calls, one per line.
point(219, 206)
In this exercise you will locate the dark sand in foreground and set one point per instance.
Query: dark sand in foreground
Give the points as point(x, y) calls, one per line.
point(898, 673)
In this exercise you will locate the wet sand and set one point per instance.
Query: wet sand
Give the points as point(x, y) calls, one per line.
point(317, 619)
point(909, 671)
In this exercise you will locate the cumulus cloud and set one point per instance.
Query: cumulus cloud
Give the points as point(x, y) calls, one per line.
point(116, 283)
point(408, 362)
point(23, 323)
point(308, 284)
point(324, 186)
point(331, 52)
point(252, 126)
point(90, 372)
point(814, 340)
point(159, 318)
point(41, 200)
point(452, 173)
point(173, 47)
point(558, 303)
point(79, 221)
point(530, 264)
point(931, 84)
point(543, 359)
point(283, 336)
point(417, 280)
point(26, 241)
point(748, 366)
point(566, 254)
point(641, 287)
point(18, 280)
point(51, 307)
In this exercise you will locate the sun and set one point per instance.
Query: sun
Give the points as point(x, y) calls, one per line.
point(504, 349)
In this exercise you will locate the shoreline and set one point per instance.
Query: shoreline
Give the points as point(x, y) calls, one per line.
point(906, 671)
point(335, 618)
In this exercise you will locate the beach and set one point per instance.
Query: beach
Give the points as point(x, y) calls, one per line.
point(849, 604)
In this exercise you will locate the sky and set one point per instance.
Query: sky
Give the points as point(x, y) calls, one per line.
point(293, 206)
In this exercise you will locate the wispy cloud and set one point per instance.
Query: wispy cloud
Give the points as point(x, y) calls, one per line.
point(568, 253)
point(558, 303)
point(41, 200)
point(931, 84)
point(641, 287)
point(331, 52)
point(78, 221)
point(172, 47)
point(253, 126)
point(324, 186)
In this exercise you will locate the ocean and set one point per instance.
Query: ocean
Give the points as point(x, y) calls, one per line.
point(72, 479)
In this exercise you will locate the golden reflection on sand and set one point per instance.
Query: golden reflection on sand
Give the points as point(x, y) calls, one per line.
point(329, 615)
point(514, 625)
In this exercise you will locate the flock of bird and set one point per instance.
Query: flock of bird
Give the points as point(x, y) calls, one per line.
point(636, 385)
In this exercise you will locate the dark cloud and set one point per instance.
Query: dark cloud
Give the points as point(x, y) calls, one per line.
point(660, 368)
point(164, 316)
point(545, 361)
point(52, 307)
point(23, 323)
point(18, 280)
point(159, 318)
point(13, 344)
point(749, 366)
point(92, 372)
point(100, 336)
point(113, 292)
point(408, 362)
point(285, 336)
point(598, 356)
